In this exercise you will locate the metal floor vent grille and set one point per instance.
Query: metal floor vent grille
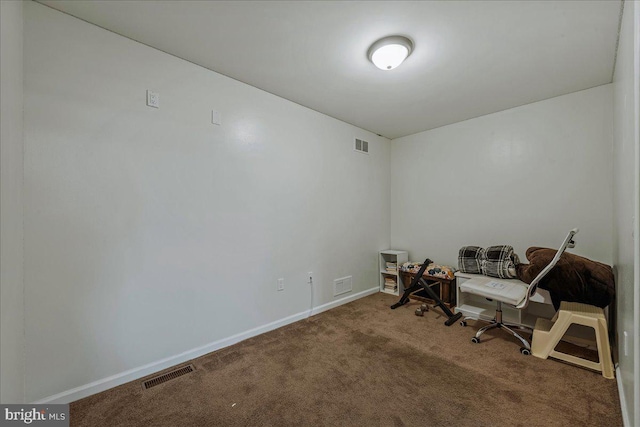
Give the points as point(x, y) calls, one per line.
point(167, 377)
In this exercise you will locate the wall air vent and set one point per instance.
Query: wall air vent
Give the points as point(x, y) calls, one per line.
point(362, 146)
point(167, 377)
point(342, 285)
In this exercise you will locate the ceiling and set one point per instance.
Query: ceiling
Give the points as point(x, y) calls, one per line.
point(470, 58)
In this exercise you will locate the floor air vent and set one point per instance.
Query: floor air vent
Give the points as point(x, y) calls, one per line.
point(167, 377)
point(361, 146)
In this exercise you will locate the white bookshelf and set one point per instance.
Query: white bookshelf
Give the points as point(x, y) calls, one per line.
point(392, 256)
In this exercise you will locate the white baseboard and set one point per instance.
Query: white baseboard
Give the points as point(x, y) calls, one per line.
point(342, 301)
point(623, 402)
point(150, 368)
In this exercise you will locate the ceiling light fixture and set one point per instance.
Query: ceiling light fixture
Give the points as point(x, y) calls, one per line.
point(389, 52)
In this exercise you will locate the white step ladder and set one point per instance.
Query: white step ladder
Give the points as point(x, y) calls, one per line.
point(548, 333)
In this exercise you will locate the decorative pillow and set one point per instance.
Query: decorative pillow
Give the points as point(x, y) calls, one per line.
point(470, 259)
point(500, 261)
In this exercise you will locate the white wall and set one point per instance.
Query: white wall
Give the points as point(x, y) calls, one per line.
point(626, 192)
point(524, 177)
point(11, 219)
point(150, 232)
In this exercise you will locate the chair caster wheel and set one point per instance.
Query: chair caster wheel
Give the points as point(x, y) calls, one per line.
point(525, 351)
point(475, 340)
point(463, 323)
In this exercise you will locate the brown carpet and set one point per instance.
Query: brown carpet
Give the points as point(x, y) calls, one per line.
point(363, 364)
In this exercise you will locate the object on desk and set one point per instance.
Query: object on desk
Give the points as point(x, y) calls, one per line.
point(548, 333)
point(470, 259)
point(419, 282)
point(574, 279)
point(500, 261)
point(495, 261)
point(516, 294)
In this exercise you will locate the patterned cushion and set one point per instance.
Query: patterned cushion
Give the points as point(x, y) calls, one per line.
point(435, 270)
point(500, 261)
point(470, 259)
point(442, 271)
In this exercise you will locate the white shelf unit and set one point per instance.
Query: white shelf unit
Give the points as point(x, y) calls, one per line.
point(475, 306)
point(397, 257)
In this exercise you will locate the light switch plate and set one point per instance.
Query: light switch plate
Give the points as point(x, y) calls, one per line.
point(216, 117)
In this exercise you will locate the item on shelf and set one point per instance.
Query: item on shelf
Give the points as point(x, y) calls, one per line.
point(390, 284)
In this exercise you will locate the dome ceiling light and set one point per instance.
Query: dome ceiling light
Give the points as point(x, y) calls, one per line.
point(389, 52)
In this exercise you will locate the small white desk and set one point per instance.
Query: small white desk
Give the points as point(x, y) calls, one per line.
point(475, 306)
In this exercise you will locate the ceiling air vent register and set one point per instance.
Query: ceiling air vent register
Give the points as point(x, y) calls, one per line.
point(362, 146)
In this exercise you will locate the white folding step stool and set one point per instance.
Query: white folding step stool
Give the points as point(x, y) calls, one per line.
point(548, 333)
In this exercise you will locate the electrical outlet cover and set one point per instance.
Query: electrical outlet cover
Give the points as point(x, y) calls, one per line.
point(153, 99)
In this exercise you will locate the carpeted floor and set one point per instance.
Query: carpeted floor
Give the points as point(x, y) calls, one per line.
point(363, 364)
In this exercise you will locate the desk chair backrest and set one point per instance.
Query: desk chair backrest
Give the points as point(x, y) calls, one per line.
point(533, 286)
